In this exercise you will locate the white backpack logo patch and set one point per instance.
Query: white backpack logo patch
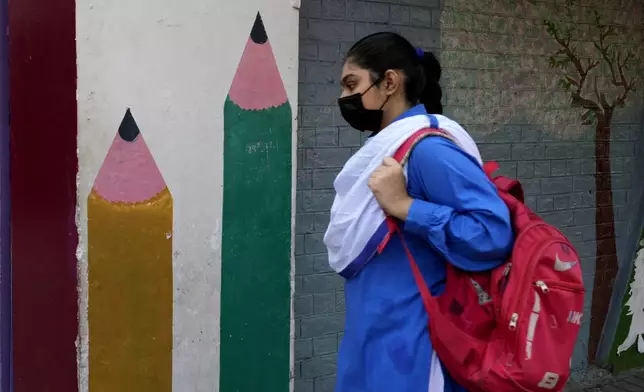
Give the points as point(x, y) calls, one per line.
point(574, 317)
point(549, 381)
point(563, 266)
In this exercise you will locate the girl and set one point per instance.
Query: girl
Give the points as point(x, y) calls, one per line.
point(449, 212)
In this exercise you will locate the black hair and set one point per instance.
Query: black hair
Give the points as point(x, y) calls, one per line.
point(380, 52)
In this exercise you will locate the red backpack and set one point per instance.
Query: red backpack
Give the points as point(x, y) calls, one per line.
point(513, 328)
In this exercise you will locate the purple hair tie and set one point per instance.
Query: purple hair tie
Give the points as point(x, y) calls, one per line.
point(420, 53)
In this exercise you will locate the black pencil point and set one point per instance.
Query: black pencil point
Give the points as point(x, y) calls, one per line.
point(258, 33)
point(128, 130)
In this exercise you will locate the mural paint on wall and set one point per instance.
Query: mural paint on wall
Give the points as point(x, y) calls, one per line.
point(130, 270)
point(597, 97)
point(256, 233)
point(133, 54)
point(628, 347)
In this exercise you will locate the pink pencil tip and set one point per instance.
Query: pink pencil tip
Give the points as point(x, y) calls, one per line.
point(129, 173)
point(257, 83)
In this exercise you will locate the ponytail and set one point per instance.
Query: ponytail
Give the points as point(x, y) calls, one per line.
point(431, 95)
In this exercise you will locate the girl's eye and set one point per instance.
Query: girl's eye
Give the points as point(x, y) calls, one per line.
point(348, 87)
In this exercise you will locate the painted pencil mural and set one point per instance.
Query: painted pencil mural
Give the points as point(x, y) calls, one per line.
point(130, 270)
point(256, 235)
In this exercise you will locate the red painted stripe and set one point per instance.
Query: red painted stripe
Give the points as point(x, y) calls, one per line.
point(43, 188)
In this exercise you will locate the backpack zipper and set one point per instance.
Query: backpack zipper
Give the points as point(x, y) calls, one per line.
point(515, 316)
point(525, 282)
point(567, 286)
point(545, 289)
point(542, 285)
point(513, 321)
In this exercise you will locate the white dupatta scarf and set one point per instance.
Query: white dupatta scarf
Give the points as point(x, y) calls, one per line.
point(357, 225)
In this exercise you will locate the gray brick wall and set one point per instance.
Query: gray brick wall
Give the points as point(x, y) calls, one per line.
point(327, 30)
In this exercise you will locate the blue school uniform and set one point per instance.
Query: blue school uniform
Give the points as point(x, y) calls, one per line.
point(457, 216)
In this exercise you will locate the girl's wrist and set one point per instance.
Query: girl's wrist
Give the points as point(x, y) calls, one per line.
point(401, 209)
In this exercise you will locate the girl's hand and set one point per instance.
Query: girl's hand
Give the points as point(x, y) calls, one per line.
point(388, 185)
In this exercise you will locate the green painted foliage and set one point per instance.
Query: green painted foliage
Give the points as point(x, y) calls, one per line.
point(630, 359)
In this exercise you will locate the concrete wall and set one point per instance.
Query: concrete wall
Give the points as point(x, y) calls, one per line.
point(171, 123)
point(498, 84)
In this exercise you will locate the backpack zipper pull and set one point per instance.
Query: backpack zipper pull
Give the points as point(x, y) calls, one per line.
point(506, 271)
point(542, 286)
point(513, 321)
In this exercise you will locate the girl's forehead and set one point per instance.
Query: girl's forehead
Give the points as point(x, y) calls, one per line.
point(350, 68)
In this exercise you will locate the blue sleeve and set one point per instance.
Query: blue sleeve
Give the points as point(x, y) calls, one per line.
point(462, 215)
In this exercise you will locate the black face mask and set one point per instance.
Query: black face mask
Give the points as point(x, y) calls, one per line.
point(358, 117)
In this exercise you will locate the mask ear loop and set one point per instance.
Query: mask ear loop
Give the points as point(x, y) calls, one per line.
point(388, 96)
point(384, 103)
point(375, 83)
point(381, 106)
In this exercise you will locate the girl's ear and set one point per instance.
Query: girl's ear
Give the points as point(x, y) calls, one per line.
point(391, 81)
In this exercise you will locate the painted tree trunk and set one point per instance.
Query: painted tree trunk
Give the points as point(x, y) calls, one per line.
point(606, 263)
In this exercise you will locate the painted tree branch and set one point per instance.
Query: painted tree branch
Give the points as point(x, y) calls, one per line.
point(598, 110)
point(617, 61)
point(616, 64)
point(570, 57)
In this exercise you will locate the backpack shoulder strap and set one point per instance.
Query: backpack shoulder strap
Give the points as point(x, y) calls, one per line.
point(402, 156)
point(404, 151)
